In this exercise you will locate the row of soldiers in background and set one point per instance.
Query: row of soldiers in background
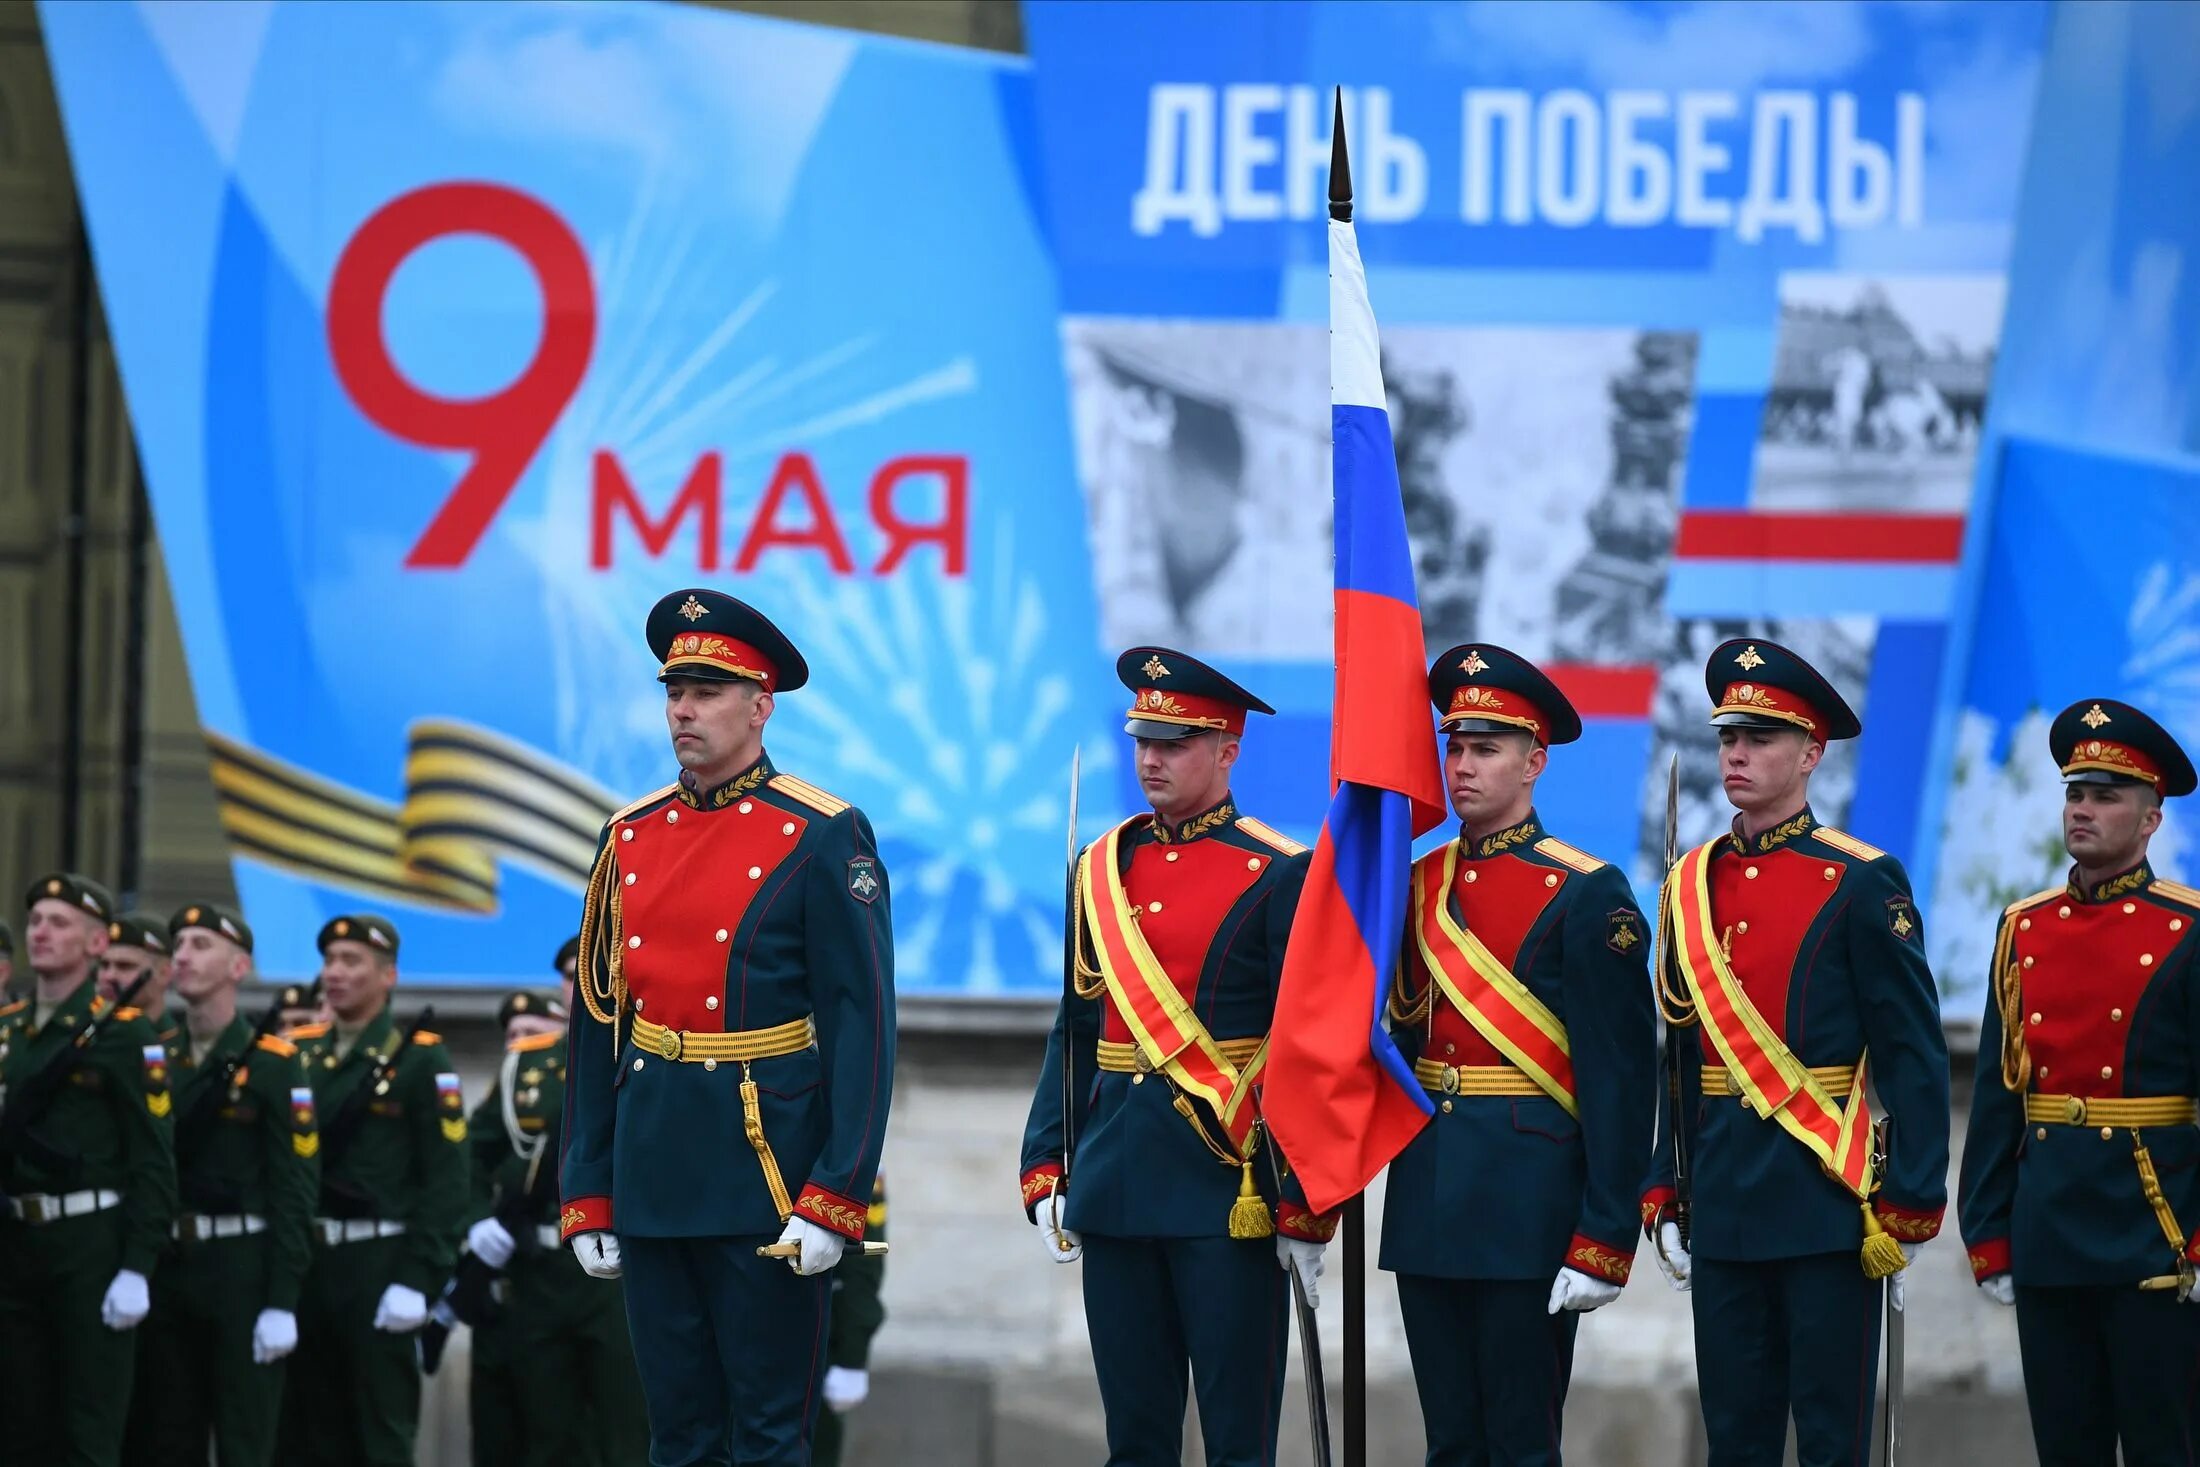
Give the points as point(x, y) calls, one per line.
point(196, 1198)
point(1525, 1003)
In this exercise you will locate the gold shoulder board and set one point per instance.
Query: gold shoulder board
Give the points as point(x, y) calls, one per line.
point(15, 1008)
point(530, 1042)
point(125, 1015)
point(1268, 835)
point(1848, 844)
point(809, 794)
point(644, 803)
point(2176, 891)
point(1568, 855)
point(305, 1031)
point(275, 1046)
point(2022, 904)
point(426, 1036)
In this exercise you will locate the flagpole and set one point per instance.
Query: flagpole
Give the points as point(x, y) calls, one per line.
point(1355, 1213)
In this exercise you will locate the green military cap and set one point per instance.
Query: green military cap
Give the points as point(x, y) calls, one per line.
point(136, 929)
point(568, 951)
point(81, 892)
point(215, 918)
point(378, 933)
point(523, 1002)
point(294, 996)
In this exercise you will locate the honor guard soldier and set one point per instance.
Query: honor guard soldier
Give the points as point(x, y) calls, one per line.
point(1794, 952)
point(248, 1172)
point(1523, 998)
point(736, 1004)
point(553, 1372)
point(2080, 1183)
point(90, 1187)
point(1174, 951)
point(138, 944)
point(393, 1197)
point(859, 1312)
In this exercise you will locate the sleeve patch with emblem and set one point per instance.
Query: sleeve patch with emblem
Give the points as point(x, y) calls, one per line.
point(1902, 919)
point(157, 1098)
point(304, 1139)
point(453, 1101)
point(863, 882)
point(1624, 934)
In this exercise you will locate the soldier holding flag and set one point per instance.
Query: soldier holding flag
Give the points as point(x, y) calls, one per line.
point(1795, 973)
point(1524, 1000)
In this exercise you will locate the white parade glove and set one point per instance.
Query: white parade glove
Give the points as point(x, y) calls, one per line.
point(1304, 1258)
point(491, 1242)
point(1579, 1292)
point(845, 1388)
point(127, 1302)
point(1673, 1259)
point(1063, 1246)
point(821, 1247)
point(1898, 1284)
point(274, 1335)
point(598, 1253)
point(2000, 1288)
point(401, 1311)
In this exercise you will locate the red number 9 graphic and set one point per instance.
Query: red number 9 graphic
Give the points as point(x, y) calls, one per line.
point(503, 429)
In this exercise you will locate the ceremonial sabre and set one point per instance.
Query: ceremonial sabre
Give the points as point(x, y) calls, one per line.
point(1681, 1207)
point(794, 1250)
point(1310, 1344)
point(1896, 1312)
point(1071, 941)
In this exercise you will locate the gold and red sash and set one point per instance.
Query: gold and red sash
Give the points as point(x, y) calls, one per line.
point(1169, 1036)
point(1773, 1081)
point(1501, 1008)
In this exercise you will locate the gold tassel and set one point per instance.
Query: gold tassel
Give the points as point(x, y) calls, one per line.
point(1883, 1256)
point(1249, 1215)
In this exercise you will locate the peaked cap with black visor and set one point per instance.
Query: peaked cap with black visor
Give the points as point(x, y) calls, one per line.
point(1759, 684)
point(714, 638)
point(2102, 741)
point(1175, 696)
point(1478, 688)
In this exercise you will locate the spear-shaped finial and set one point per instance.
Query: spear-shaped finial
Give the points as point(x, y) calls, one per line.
point(1340, 168)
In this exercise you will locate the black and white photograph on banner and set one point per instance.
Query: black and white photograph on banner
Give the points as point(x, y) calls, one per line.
point(1839, 647)
point(1878, 392)
point(1539, 468)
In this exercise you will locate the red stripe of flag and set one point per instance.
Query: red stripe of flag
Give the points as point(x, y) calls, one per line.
point(1906, 539)
point(1606, 692)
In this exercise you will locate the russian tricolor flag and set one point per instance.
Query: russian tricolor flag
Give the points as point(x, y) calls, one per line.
point(1339, 1097)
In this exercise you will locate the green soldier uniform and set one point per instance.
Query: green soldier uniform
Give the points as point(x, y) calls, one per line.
point(561, 1385)
point(90, 1190)
point(393, 1190)
point(858, 1312)
point(248, 1172)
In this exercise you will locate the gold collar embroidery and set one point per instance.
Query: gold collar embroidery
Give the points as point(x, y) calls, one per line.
point(733, 789)
point(1780, 835)
point(2133, 880)
point(1195, 827)
point(1504, 840)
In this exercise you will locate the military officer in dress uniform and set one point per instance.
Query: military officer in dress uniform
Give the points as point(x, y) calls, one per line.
point(138, 944)
point(248, 1170)
point(393, 1194)
point(553, 1379)
point(1523, 998)
point(736, 1003)
point(1794, 952)
point(858, 1314)
point(2081, 1172)
point(1163, 1186)
point(90, 1188)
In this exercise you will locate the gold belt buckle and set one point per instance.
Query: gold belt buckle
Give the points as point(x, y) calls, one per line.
point(672, 1042)
point(1450, 1083)
point(1733, 1082)
point(1140, 1062)
point(2074, 1110)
